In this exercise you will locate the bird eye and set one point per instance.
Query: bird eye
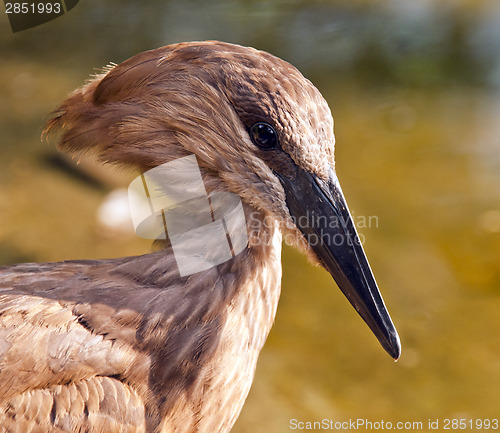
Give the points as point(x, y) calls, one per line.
point(263, 135)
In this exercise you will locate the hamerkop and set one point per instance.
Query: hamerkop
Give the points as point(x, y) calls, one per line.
point(131, 344)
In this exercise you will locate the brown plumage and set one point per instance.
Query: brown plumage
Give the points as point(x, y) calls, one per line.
point(128, 345)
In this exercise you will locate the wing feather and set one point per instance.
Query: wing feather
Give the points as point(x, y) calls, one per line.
point(98, 404)
point(58, 373)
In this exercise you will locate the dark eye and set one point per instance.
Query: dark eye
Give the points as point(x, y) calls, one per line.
point(263, 135)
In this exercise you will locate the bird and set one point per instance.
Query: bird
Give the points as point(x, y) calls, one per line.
point(133, 345)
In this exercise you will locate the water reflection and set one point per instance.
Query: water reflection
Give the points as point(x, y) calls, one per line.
point(408, 42)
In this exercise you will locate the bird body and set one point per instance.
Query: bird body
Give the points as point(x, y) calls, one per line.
point(99, 356)
point(131, 345)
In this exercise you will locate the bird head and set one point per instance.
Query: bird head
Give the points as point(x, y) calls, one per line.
point(258, 128)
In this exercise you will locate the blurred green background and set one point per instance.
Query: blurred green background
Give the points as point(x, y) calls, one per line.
point(414, 87)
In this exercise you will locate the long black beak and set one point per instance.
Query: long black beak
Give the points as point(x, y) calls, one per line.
point(320, 211)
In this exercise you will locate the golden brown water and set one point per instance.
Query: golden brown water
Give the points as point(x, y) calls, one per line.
point(418, 159)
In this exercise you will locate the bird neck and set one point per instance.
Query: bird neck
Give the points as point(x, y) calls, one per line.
point(260, 268)
point(205, 331)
